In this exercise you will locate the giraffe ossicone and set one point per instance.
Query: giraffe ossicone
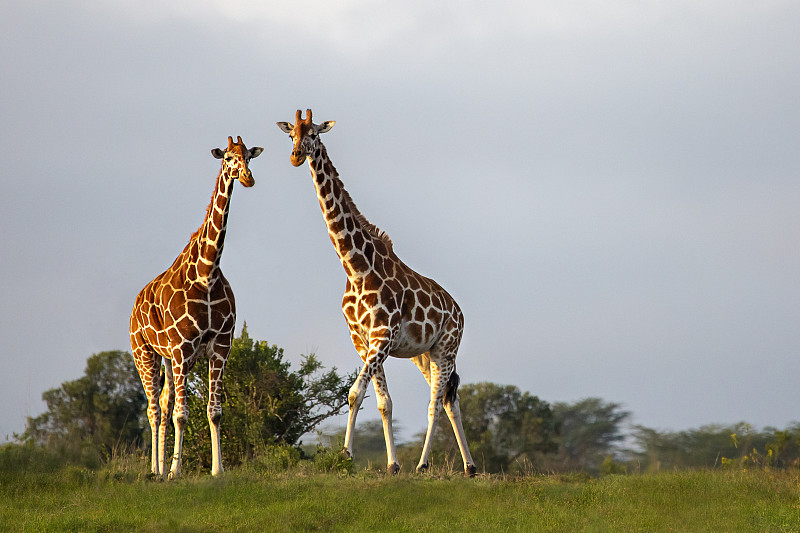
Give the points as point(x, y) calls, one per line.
point(391, 310)
point(186, 313)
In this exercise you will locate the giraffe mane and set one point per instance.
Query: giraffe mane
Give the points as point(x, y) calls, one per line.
point(365, 224)
point(196, 233)
point(373, 230)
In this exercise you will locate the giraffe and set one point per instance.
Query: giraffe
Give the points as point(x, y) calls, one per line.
point(188, 312)
point(390, 309)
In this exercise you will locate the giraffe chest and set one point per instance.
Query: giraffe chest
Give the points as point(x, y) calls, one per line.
point(188, 312)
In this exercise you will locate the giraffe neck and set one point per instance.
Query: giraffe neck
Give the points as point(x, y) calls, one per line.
point(206, 248)
point(347, 227)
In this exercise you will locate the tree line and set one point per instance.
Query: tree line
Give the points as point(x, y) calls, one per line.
point(268, 405)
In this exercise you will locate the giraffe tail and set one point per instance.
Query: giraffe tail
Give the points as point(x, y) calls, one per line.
point(451, 388)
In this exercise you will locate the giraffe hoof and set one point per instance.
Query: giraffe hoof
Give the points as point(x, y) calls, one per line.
point(422, 468)
point(346, 454)
point(393, 469)
point(470, 471)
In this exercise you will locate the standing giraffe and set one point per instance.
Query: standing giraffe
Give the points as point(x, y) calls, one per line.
point(188, 312)
point(390, 309)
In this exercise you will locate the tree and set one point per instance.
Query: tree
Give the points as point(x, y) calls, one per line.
point(265, 402)
point(783, 448)
point(507, 430)
point(97, 414)
point(590, 432)
point(709, 446)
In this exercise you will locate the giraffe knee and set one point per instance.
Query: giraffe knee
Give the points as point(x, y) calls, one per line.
point(356, 395)
point(180, 423)
point(352, 398)
point(180, 418)
point(214, 415)
point(385, 406)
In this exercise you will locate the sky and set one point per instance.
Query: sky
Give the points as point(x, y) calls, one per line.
point(608, 189)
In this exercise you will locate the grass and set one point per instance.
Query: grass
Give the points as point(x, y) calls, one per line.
point(124, 498)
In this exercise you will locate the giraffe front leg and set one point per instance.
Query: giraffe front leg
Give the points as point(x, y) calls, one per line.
point(373, 362)
point(216, 366)
point(354, 399)
point(166, 402)
point(148, 365)
point(385, 409)
point(154, 418)
point(180, 415)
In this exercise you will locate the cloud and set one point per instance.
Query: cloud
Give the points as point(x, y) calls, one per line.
point(608, 189)
point(364, 27)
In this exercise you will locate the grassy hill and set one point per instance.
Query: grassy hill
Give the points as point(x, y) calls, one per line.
point(125, 499)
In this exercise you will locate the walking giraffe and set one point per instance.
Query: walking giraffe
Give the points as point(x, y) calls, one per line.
point(390, 309)
point(188, 312)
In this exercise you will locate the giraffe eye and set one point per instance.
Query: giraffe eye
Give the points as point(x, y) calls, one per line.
point(229, 158)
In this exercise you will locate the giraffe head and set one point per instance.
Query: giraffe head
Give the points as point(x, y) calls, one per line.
point(235, 160)
point(305, 135)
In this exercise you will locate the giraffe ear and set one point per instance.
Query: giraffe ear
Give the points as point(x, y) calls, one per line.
point(218, 153)
point(326, 126)
point(285, 127)
point(255, 152)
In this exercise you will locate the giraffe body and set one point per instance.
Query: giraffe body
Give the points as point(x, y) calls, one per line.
point(186, 313)
point(390, 309)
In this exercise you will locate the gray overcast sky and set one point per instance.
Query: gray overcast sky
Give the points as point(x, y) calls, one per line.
point(609, 189)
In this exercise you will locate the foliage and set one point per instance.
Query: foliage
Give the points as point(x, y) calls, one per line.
point(20, 460)
point(611, 467)
point(783, 447)
point(91, 418)
point(768, 449)
point(706, 446)
point(507, 430)
point(369, 444)
point(590, 432)
point(264, 402)
point(274, 459)
point(330, 460)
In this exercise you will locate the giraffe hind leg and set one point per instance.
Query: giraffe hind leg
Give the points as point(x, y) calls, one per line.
point(453, 410)
point(437, 378)
point(423, 362)
point(444, 381)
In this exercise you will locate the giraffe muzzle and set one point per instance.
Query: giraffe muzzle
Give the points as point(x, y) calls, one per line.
point(247, 179)
point(297, 158)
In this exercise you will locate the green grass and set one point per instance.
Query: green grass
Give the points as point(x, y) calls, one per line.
point(125, 499)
